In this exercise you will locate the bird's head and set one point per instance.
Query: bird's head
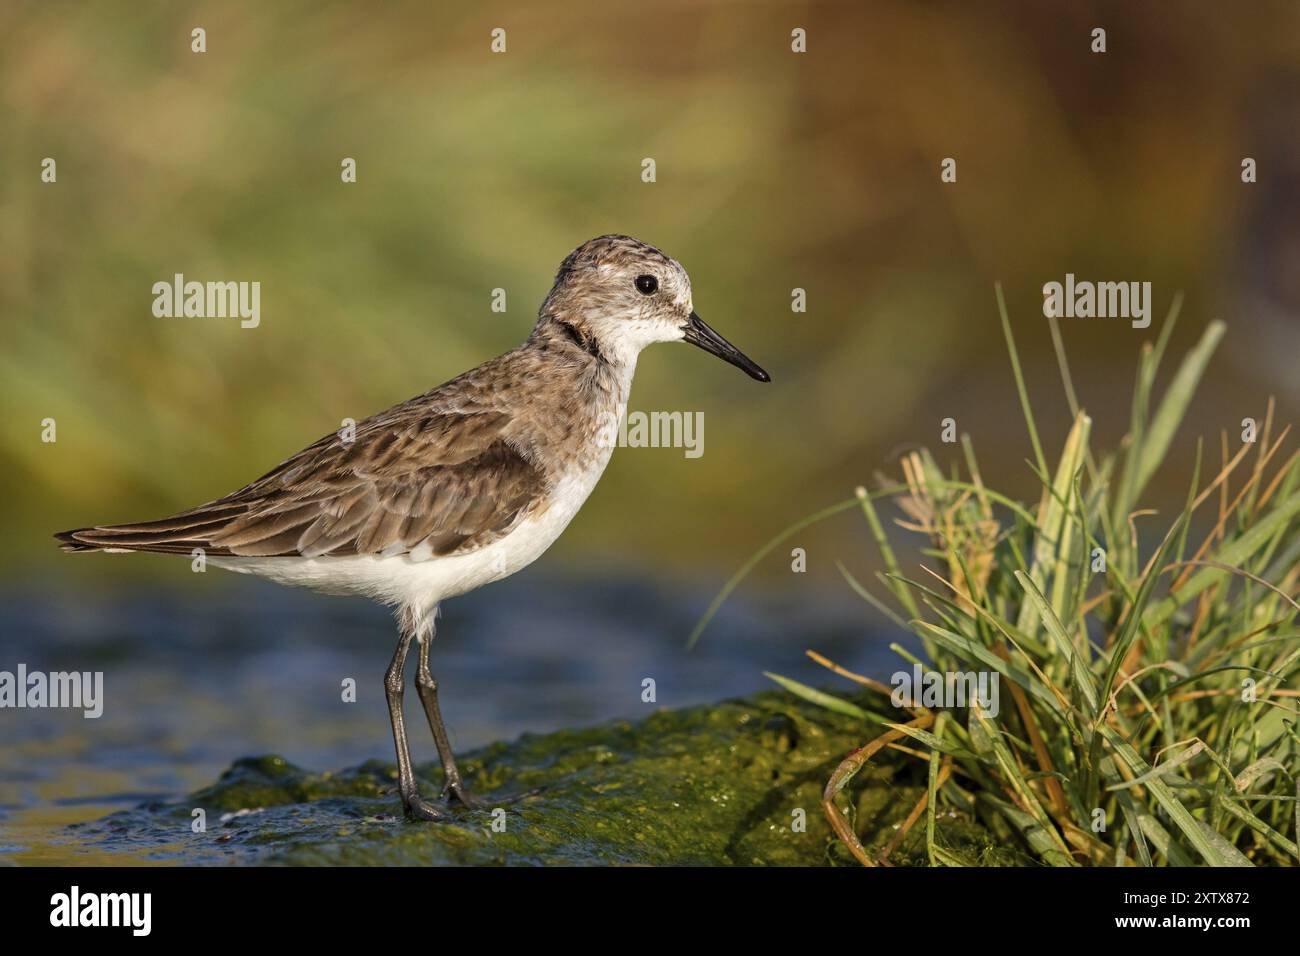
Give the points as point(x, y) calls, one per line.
point(621, 295)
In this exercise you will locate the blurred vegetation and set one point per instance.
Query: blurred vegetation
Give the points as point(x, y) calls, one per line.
point(478, 171)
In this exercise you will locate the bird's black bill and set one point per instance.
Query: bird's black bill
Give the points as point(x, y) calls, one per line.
point(699, 333)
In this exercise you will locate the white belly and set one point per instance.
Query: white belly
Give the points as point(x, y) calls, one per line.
point(401, 580)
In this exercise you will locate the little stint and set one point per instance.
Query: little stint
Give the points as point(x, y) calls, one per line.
point(458, 487)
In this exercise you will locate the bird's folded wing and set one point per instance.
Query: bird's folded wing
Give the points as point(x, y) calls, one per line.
point(417, 482)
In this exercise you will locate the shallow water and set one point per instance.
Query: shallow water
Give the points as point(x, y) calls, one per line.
point(193, 684)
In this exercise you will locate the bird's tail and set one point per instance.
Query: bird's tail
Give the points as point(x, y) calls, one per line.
point(179, 534)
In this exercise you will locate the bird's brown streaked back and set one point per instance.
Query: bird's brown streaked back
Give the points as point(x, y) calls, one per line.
point(444, 473)
point(440, 484)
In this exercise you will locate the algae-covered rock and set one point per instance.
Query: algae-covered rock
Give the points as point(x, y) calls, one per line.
point(734, 783)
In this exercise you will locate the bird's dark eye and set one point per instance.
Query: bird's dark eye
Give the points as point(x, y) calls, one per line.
point(647, 285)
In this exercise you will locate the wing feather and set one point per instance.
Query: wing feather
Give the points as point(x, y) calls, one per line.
point(442, 481)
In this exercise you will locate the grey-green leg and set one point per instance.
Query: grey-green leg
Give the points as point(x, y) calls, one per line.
point(415, 805)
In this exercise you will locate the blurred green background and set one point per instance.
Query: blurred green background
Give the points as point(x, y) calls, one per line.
point(476, 171)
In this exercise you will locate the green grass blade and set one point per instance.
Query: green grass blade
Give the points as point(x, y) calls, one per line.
point(1236, 553)
point(1133, 622)
point(823, 699)
point(886, 551)
point(1174, 405)
point(1020, 380)
point(1210, 848)
point(1084, 680)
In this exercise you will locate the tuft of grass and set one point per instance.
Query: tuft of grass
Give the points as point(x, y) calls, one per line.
point(1148, 702)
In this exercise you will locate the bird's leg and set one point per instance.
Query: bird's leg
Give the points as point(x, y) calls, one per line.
point(454, 786)
point(428, 689)
point(415, 805)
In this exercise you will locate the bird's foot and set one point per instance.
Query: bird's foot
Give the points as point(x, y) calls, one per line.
point(455, 791)
point(417, 808)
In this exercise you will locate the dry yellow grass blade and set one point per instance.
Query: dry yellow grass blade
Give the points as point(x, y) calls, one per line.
point(845, 772)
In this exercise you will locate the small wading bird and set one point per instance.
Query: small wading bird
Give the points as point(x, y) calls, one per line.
point(460, 486)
